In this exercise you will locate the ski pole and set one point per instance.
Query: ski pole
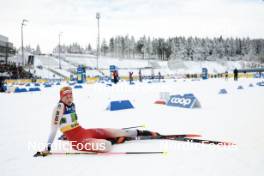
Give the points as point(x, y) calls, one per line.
point(140, 126)
point(108, 153)
point(93, 153)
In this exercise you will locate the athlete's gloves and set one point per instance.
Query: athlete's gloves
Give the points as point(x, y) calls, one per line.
point(118, 140)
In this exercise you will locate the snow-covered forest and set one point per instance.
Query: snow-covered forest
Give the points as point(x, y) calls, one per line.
point(191, 48)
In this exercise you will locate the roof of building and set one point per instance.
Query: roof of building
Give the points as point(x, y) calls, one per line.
point(3, 38)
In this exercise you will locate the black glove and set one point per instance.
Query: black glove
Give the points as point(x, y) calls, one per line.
point(49, 147)
point(118, 140)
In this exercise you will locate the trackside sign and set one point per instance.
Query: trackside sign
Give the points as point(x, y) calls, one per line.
point(184, 101)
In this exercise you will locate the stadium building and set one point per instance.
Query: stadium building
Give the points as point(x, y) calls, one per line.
point(6, 49)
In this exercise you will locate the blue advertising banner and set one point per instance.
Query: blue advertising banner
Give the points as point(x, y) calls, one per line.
point(185, 101)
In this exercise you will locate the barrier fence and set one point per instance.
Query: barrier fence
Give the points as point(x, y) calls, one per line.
point(91, 80)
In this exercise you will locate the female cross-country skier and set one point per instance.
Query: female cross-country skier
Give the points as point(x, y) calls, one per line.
point(91, 140)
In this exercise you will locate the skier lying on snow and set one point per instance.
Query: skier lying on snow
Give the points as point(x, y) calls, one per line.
point(65, 118)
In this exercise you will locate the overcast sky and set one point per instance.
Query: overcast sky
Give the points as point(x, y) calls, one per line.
point(154, 18)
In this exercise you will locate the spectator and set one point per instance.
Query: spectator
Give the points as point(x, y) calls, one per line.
point(115, 75)
point(226, 75)
point(235, 74)
point(140, 75)
point(130, 77)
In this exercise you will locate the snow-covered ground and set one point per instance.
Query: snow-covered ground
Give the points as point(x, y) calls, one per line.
point(48, 62)
point(165, 67)
point(236, 117)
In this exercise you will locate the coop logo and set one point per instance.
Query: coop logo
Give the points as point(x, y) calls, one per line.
point(181, 100)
